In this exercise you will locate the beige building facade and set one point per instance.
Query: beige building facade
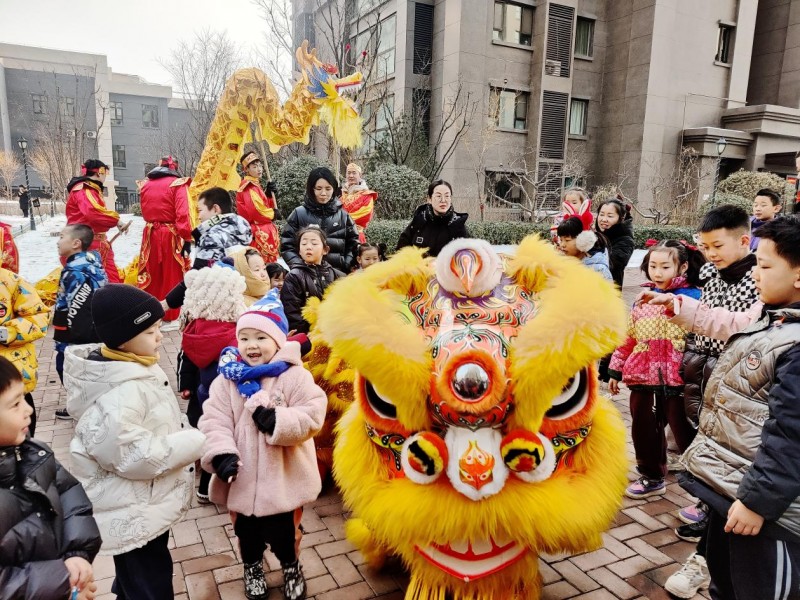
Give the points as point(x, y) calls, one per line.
point(593, 92)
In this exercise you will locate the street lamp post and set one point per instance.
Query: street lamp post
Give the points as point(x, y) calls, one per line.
point(23, 145)
point(722, 143)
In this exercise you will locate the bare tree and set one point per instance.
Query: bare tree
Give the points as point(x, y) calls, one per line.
point(64, 130)
point(674, 190)
point(407, 139)
point(199, 68)
point(10, 168)
point(522, 182)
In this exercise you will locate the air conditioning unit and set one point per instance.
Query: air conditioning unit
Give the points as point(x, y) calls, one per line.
point(91, 134)
point(552, 67)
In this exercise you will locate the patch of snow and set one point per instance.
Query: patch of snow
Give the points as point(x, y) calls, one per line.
point(38, 253)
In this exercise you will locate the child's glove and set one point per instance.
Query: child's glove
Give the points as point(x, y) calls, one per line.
point(264, 419)
point(226, 466)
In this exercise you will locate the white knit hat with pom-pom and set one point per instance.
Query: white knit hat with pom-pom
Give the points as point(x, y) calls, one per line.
point(214, 293)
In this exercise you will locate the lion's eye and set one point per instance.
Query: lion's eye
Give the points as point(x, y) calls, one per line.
point(572, 399)
point(383, 407)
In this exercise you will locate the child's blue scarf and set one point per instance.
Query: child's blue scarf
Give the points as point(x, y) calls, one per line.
point(247, 378)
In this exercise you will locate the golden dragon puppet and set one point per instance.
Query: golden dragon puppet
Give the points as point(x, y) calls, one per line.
point(249, 97)
point(476, 439)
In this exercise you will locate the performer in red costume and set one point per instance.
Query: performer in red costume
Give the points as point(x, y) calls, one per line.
point(358, 200)
point(10, 254)
point(85, 205)
point(258, 208)
point(166, 239)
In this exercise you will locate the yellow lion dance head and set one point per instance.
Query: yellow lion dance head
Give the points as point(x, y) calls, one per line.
point(477, 439)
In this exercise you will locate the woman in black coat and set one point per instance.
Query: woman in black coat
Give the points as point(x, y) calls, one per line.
point(615, 222)
point(435, 223)
point(322, 207)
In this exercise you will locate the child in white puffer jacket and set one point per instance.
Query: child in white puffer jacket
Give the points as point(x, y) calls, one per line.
point(133, 451)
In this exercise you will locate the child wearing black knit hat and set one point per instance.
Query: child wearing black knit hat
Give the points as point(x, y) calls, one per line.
point(133, 450)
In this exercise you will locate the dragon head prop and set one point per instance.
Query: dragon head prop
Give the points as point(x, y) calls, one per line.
point(327, 91)
point(476, 439)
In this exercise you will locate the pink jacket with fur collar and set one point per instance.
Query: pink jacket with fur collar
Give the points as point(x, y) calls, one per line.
point(278, 472)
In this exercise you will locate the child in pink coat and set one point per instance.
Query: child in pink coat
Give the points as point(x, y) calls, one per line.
point(649, 363)
point(259, 420)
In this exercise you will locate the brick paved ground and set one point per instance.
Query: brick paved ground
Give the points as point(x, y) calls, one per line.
point(639, 553)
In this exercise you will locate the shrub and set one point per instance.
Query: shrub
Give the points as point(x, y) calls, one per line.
point(747, 183)
point(727, 198)
point(512, 232)
point(400, 190)
point(291, 181)
point(135, 209)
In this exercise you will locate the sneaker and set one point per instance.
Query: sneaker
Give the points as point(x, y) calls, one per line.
point(294, 584)
point(694, 514)
point(691, 532)
point(255, 586)
point(691, 577)
point(62, 414)
point(644, 488)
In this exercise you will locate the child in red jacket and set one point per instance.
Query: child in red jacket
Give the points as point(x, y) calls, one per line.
point(649, 364)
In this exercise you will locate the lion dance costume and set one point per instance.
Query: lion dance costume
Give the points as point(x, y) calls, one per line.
point(476, 439)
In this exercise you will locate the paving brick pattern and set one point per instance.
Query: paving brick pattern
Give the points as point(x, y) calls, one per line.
point(639, 552)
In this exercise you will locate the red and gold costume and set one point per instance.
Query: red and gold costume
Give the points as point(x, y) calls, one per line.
point(359, 202)
point(164, 199)
point(85, 205)
point(259, 210)
point(10, 257)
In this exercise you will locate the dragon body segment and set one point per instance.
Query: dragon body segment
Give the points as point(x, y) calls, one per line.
point(250, 97)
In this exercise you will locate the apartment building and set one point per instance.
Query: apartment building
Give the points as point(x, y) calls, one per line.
point(587, 91)
point(76, 106)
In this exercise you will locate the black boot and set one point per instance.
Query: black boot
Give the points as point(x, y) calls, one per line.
point(255, 586)
point(294, 584)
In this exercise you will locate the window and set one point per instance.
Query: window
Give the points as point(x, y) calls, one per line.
point(384, 53)
point(724, 44)
point(577, 116)
point(66, 106)
point(377, 116)
point(584, 37)
point(503, 188)
point(150, 116)
point(39, 104)
point(118, 154)
point(304, 29)
point(511, 109)
point(365, 6)
point(115, 108)
point(513, 23)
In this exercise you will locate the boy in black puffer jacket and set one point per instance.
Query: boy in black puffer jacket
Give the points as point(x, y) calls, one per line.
point(48, 537)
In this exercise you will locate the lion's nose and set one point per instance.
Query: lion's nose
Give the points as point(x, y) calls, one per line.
point(470, 382)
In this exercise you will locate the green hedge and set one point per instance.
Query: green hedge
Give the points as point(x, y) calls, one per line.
point(512, 232)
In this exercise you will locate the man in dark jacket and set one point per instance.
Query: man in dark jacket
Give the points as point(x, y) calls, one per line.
point(24, 200)
point(435, 223)
point(48, 537)
point(323, 208)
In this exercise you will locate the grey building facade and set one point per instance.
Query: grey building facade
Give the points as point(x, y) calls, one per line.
point(592, 92)
point(71, 106)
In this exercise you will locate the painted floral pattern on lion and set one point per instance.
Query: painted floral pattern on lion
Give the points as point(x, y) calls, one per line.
point(477, 439)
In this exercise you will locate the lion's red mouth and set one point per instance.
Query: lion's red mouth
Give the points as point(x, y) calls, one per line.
point(472, 560)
